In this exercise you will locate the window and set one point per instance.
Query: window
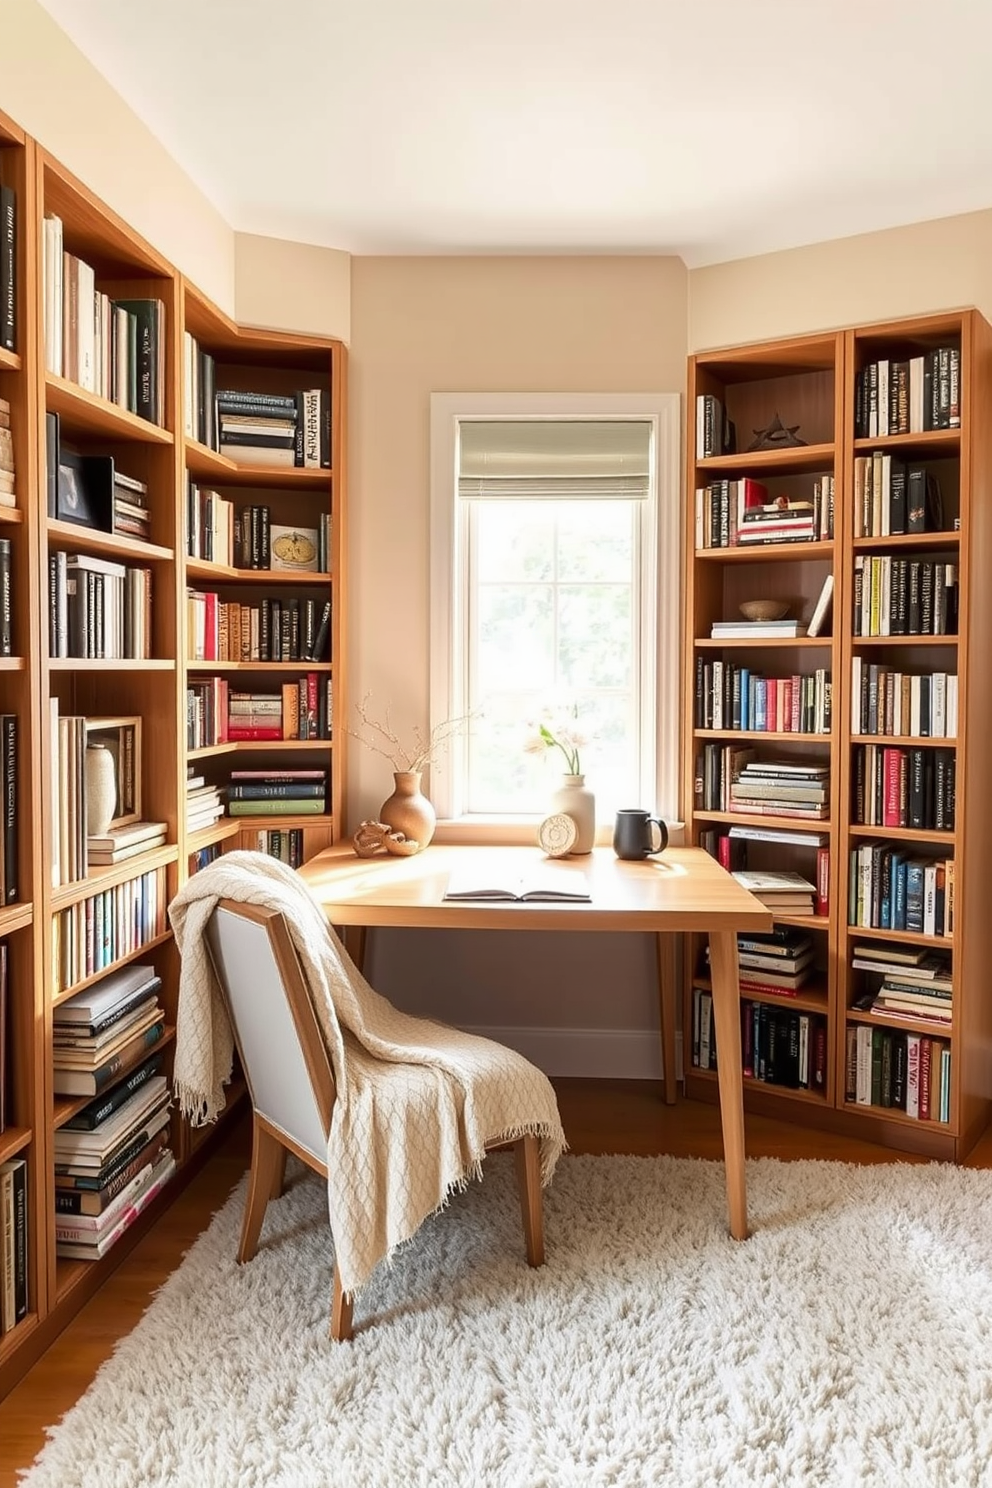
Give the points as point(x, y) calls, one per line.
point(555, 580)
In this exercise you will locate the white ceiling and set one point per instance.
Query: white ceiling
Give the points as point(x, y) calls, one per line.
point(713, 129)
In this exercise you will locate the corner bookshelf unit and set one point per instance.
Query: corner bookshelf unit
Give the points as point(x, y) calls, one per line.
point(906, 824)
point(95, 392)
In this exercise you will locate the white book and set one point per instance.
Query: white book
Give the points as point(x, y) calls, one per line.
point(822, 605)
point(913, 1074)
point(856, 695)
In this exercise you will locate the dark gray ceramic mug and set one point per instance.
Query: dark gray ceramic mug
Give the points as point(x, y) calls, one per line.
point(635, 832)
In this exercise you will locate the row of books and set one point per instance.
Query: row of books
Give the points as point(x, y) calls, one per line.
point(899, 1071)
point(8, 267)
point(8, 494)
point(214, 715)
point(743, 512)
point(904, 596)
point(13, 1242)
point(4, 1038)
point(219, 532)
point(98, 609)
point(112, 347)
point(908, 396)
point(98, 1032)
point(779, 1045)
point(780, 962)
point(731, 777)
point(280, 629)
point(897, 786)
point(284, 843)
point(102, 929)
point(715, 433)
point(729, 696)
point(920, 705)
point(894, 888)
point(892, 498)
point(9, 884)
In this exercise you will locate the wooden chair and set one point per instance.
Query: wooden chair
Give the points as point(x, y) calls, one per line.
point(289, 1075)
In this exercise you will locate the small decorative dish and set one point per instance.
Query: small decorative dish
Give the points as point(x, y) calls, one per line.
point(764, 609)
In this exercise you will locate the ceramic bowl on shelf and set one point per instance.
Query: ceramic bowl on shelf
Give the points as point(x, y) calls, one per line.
point(764, 609)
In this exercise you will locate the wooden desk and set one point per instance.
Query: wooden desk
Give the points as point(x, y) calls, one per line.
point(683, 890)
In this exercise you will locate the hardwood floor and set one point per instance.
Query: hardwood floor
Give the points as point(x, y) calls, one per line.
point(599, 1116)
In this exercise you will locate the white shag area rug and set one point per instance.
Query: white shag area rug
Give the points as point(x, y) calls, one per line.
point(848, 1342)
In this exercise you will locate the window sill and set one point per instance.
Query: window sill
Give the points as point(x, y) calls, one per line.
point(514, 831)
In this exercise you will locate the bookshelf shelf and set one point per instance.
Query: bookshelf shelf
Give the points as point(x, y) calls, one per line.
point(11, 516)
point(938, 374)
point(10, 361)
point(222, 831)
point(12, 663)
point(801, 458)
point(105, 877)
point(15, 917)
point(71, 665)
point(207, 668)
point(138, 954)
point(87, 411)
point(204, 572)
point(13, 1140)
point(121, 549)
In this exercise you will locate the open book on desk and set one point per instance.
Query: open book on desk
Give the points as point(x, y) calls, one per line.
point(538, 885)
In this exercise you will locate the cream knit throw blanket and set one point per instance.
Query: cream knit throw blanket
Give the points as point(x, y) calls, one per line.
point(417, 1102)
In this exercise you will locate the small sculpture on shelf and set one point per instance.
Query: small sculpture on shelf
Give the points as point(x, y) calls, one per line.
point(374, 836)
point(775, 435)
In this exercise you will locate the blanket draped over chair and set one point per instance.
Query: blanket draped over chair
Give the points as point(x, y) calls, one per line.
point(417, 1102)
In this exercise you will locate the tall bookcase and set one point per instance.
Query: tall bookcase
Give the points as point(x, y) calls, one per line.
point(157, 453)
point(907, 805)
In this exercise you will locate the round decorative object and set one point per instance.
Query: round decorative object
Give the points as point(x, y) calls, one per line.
point(294, 549)
point(101, 789)
point(764, 609)
point(557, 834)
point(573, 799)
point(408, 810)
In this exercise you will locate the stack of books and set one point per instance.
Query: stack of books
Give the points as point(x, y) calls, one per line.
point(131, 515)
point(916, 983)
point(783, 893)
point(782, 788)
point(746, 630)
point(7, 496)
point(118, 844)
point(779, 962)
point(203, 803)
point(102, 1030)
point(277, 793)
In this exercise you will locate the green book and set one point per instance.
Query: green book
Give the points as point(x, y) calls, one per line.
point(277, 807)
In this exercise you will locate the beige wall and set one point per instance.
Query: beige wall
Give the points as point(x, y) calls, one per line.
point(424, 325)
point(929, 266)
point(292, 286)
point(49, 88)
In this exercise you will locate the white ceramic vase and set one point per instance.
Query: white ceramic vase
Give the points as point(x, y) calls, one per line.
point(575, 800)
point(101, 789)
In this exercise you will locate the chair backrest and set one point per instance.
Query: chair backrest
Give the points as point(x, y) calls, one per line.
point(279, 1041)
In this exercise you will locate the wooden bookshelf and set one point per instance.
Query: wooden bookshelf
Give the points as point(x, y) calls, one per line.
point(813, 382)
point(153, 688)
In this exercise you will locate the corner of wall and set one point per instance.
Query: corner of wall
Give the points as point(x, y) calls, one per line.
point(279, 285)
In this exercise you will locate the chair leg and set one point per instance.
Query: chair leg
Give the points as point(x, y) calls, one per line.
point(265, 1159)
point(279, 1181)
point(528, 1156)
point(341, 1312)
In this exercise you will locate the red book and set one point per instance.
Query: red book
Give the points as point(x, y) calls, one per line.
point(891, 802)
point(236, 733)
point(822, 906)
point(926, 1046)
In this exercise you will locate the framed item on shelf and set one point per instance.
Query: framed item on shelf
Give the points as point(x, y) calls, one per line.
point(72, 500)
point(293, 549)
point(122, 738)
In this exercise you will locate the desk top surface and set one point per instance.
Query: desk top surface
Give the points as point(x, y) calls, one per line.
point(682, 889)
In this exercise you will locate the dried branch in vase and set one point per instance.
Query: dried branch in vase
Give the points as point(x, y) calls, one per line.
point(414, 756)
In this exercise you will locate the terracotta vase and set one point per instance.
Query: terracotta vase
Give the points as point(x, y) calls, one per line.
point(575, 800)
point(101, 789)
point(408, 810)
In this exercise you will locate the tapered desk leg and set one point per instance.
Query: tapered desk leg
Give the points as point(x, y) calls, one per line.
point(667, 996)
point(354, 940)
point(727, 1020)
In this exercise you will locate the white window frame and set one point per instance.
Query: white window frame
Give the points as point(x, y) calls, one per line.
point(660, 583)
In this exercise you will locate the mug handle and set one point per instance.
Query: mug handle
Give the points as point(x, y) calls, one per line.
point(653, 821)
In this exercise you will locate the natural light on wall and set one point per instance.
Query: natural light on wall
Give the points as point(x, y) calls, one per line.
point(545, 589)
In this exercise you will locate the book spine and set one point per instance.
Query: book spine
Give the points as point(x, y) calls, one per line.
point(8, 744)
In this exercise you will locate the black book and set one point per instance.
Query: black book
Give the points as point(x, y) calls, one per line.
point(52, 461)
point(6, 609)
point(149, 316)
point(316, 651)
point(90, 1117)
point(8, 268)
